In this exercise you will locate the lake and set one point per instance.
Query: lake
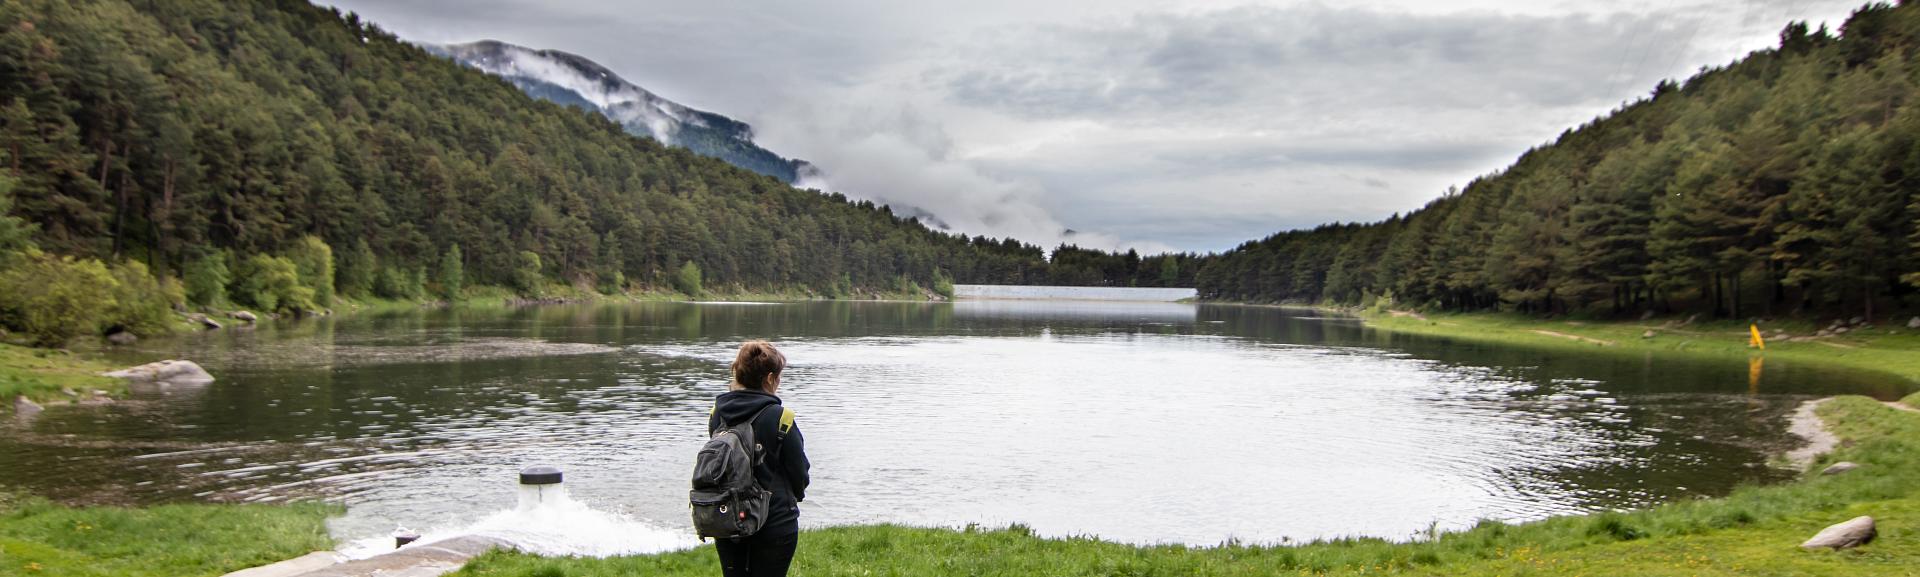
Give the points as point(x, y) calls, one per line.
point(1131, 421)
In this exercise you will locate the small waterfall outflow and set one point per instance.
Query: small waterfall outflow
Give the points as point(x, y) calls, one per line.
point(546, 520)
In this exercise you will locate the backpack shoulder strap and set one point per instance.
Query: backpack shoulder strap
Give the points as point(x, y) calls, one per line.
point(780, 429)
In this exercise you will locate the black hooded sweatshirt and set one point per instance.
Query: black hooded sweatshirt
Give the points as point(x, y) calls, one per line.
point(784, 468)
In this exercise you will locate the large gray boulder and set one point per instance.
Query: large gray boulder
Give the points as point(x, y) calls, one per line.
point(170, 371)
point(25, 408)
point(1853, 533)
point(1913, 323)
point(245, 316)
point(204, 321)
point(122, 338)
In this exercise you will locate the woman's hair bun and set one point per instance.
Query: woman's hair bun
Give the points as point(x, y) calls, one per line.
point(757, 361)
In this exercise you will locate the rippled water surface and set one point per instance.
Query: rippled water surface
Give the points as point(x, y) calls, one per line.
point(1130, 421)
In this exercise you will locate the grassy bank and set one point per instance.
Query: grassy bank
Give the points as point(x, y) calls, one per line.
point(40, 374)
point(38, 538)
point(1887, 348)
point(1754, 531)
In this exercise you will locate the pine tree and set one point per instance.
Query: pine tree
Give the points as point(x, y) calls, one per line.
point(527, 276)
point(16, 235)
point(206, 277)
point(357, 269)
point(613, 265)
point(688, 280)
point(313, 260)
point(453, 275)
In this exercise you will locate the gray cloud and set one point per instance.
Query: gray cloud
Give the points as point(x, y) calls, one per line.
point(1195, 126)
point(1405, 155)
point(1177, 66)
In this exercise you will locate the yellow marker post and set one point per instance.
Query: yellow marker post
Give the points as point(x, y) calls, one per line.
point(1758, 343)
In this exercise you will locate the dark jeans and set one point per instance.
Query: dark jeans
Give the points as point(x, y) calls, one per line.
point(761, 555)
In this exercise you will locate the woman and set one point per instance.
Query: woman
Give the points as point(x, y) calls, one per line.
point(782, 470)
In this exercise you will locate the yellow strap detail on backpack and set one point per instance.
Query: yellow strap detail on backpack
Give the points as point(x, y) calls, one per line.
point(786, 420)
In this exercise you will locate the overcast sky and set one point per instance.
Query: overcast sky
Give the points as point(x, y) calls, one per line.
point(1191, 125)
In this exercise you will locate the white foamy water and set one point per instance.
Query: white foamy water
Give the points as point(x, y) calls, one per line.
point(548, 521)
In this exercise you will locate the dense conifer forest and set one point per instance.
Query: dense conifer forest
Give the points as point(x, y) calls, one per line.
point(278, 155)
point(1785, 183)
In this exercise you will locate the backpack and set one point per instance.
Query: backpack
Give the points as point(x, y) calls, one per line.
point(727, 499)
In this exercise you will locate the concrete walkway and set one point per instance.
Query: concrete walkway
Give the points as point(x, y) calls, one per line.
point(298, 565)
point(418, 560)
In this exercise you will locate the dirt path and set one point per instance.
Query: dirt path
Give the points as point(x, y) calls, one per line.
point(1901, 406)
point(1671, 329)
point(1603, 343)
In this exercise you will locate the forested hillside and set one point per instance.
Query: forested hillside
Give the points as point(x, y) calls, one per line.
point(217, 141)
point(1784, 183)
point(577, 81)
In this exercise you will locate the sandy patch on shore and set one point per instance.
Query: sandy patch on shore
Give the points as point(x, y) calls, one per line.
point(1807, 425)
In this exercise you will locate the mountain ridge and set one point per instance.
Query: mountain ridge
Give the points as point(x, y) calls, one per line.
point(574, 80)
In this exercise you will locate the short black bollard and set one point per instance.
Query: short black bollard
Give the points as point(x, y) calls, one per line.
point(540, 475)
point(540, 485)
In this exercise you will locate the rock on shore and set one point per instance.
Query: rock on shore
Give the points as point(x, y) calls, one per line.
point(169, 371)
point(1840, 467)
point(25, 407)
point(1853, 533)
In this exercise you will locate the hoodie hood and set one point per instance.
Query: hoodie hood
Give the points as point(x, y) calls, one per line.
point(736, 406)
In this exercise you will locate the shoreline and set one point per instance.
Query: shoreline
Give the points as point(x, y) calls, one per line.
point(1807, 424)
point(1604, 543)
point(1890, 352)
point(1753, 529)
point(49, 376)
